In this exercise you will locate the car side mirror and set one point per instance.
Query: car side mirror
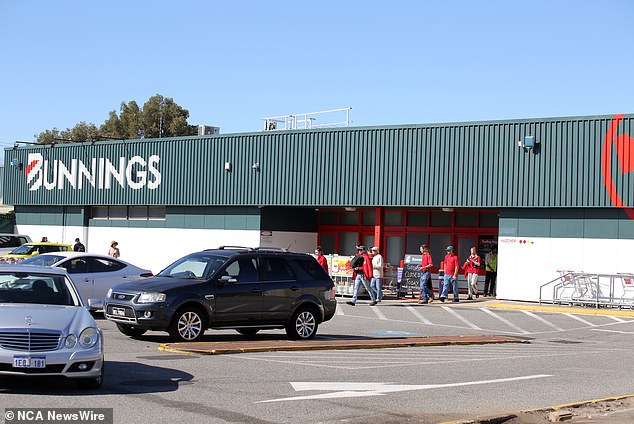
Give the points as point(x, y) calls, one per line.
point(226, 279)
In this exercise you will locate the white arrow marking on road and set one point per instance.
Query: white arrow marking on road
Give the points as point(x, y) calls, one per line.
point(350, 389)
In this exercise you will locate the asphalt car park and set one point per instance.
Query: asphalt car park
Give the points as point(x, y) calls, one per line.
point(584, 359)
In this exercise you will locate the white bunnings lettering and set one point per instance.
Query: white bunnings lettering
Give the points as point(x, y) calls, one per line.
point(99, 173)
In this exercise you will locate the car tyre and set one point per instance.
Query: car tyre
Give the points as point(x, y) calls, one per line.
point(303, 324)
point(130, 330)
point(92, 383)
point(248, 331)
point(188, 324)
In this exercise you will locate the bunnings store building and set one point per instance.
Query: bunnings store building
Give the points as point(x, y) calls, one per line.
point(553, 194)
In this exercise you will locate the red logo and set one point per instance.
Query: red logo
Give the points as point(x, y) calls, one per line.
point(625, 155)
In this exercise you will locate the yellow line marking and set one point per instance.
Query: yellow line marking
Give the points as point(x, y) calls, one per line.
point(619, 313)
point(576, 404)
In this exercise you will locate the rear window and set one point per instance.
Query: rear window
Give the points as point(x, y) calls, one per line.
point(11, 241)
point(276, 269)
point(312, 268)
point(42, 260)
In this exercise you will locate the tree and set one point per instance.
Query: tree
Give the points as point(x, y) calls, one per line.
point(160, 117)
point(164, 118)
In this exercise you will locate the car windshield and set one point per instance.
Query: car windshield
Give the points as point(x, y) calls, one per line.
point(25, 249)
point(42, 260)
point(44, 289)
point(195, 266)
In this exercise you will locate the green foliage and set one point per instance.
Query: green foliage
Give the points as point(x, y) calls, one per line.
point(160, 117)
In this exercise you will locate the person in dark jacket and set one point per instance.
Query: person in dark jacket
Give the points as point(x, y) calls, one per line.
point(78, 246)
point(362, 275)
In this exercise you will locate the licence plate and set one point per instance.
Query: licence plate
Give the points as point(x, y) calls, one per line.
point(120, 312)
point(29, 362)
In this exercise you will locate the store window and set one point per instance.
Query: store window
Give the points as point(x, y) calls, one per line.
point(328, 218)
point(394, 219)
point(369, 218)
point(413, 243)
point(349, 218)
point(466, 219)
point(418, 219)
point(327, 243)
point(441, 219)
point(394, 249)
point(117, 212)
point(489, 219)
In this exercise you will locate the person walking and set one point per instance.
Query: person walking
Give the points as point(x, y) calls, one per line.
point(78, 246)
point(114, 249)
point(491, 268)
point(426, 295)
point(471, 265)
point(451, 275)
point(361, 273)
point(377, 273)
point(319, 253)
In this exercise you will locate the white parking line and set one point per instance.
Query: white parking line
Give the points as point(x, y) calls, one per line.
point(617, 319)
point(505, 321)
point(418, 315)
point(588, 323)
point(339, 310)
point(612, 331)
point(378, 312)
point(542, 320)
point(454, 313)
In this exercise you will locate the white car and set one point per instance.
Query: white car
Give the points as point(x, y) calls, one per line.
point(93, 274)
point(44, 328)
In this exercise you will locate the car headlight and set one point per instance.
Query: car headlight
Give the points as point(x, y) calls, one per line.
point(109, 294)
point(151, 297)
point(88, 338)
point(70, 342)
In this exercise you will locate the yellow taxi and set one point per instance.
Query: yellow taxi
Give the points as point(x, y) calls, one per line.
point(28, 250)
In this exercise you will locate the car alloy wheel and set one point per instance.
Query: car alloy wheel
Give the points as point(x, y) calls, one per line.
point(188, 325)
point(303, 325)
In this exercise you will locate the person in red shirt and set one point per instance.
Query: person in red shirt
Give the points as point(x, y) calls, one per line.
point(451, 275)
point(362, 275)
point(426, 295)
point(319, 253)
point(471, 268)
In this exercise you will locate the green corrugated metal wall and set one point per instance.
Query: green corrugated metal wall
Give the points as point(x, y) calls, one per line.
point(477, 164)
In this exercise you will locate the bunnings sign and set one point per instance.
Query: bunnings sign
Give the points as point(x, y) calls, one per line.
point(136, 173)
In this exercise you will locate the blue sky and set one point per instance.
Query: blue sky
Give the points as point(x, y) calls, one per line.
point(231, 63)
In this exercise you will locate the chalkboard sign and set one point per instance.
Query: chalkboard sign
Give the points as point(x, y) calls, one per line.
point(411, 277)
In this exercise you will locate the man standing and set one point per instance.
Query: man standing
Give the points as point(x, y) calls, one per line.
point(361, 272)
point(426, 295)
point(78, 246)
point(377, 273)
point(491, 262)
point(451, 275)
point(319, 253)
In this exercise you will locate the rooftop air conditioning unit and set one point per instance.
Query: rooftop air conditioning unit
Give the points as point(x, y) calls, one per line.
point(208, 130)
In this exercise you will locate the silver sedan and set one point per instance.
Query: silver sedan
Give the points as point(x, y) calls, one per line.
point(92, 273)
point(44, 328)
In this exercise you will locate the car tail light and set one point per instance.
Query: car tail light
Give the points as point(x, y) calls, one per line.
point(147, 275)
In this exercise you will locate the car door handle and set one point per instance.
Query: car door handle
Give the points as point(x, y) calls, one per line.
point(256, 291)
point(210, 297)
point(294, 288)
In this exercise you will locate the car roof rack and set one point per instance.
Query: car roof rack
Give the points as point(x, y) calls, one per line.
point(276, 249)
point(234, 248)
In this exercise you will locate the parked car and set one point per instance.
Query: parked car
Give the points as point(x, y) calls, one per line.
point(32, 249)
point(8, 242)
point(245, 289)
point(93, 274)
point(44, 328)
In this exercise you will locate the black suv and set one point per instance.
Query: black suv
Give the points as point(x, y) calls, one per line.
point(247, 289)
